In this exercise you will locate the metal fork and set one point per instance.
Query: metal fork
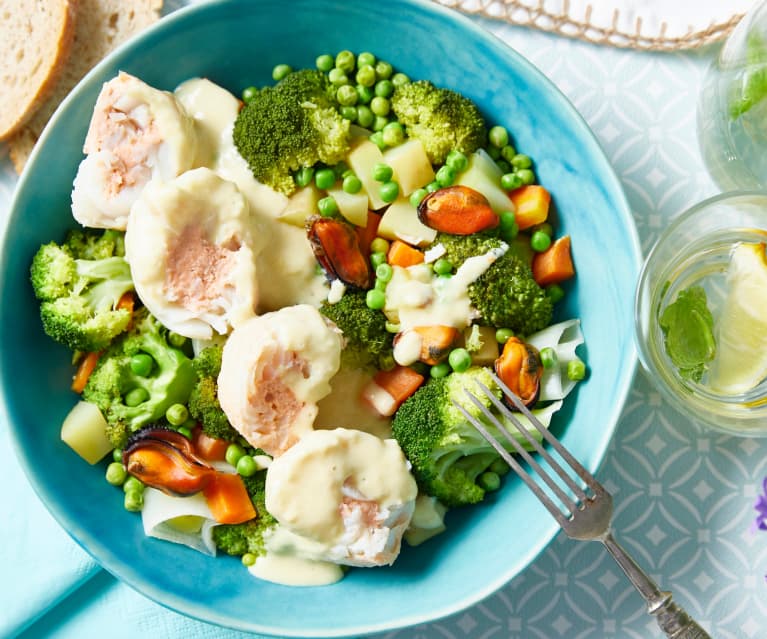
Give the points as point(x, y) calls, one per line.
point(586, 517)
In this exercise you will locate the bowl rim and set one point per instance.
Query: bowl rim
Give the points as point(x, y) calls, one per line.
point(600, 444)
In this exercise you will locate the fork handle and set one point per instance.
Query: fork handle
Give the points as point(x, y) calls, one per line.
point(672, 618)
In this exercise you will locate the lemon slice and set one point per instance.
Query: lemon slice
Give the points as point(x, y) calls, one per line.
point(741, 359)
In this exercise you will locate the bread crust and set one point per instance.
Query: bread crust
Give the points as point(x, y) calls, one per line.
point(35, 44)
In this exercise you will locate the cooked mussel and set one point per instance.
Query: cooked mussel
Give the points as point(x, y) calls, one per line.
point(337, 248)
point(458, 210)
point(164, 459)
point(520, 368)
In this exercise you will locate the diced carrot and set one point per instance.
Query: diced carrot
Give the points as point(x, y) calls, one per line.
point(555, 264)
point(436, 342)
point(84, 370)
point(389, 389)
point(207, 447)
point(228, 499)
point(404, 255)
point(531, 205)
point(368, 234)
point(127, 301)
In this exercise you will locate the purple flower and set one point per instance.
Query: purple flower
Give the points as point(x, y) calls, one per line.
point(760, 523)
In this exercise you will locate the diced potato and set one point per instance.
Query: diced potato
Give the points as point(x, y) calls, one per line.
point(361, 159)
point(400, 221)
point(483, 175)
point(488, 353)
point(84, 431)
point(301, 205)
point(411, 165)
point(353, 206)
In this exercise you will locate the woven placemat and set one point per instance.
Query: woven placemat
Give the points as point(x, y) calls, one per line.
point(576, 20)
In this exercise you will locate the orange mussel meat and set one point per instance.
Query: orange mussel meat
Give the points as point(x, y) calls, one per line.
point(520, 368)
point(336, 246)
point(458, 210)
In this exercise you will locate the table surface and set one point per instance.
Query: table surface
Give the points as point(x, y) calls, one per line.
point(683, 494)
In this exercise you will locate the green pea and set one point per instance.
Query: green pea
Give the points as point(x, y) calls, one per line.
point(503, 335)
point(386, 362)
point(393, 134)
point(377, 139)
point(544, 227)
point(337, 77)
point(304, 176)
point(508, 152)
point(539, 241)
point(190, 424)
point(186, 432)
point(141, 364)
point(548, 357)
point(521, 161)
point(432, 186)
point(498, 136)
point(132, 483)
point(506, 220)
point(384, 272)
point(493, 151)
point(510, 181)
point(489, 481)
point(383, 70)
point(366, 59)
point(351, 184)
point(375, 299)
point(459, 360)
point(136, 396)
point(324, 178)
point(346, 95)
point(576, 370)
point(134, 501)
point(380, 285)
point(176, 340)
point(376, 259)
point(365, 117)
point(499, 467)
point(526, 175)
point(445, 176)
point(281, 71)
point(248, 559)
point(364, 94)
point(116, 474)
point(389, 191)
point(177, 414)
point(348, 113)
point(345, 60)
point(398, 79)
point(555, 292)
point(379, 245)
point(392, 327)
point(504, 166)
point(384, 88)
point(417, 196)
point(443, 266)
point(246, 466)
point(510, 233)
point(382, 172)
point(440, 370)
point(248, 94)
point(327, 206)
point(234, 452)
point(457, 161)
point(325, 62)
point(380, 105)
point(117, 455)
point(366, 76)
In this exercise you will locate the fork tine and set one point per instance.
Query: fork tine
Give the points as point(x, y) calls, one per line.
point(546, 477)
point(514, 464)
point(555, 443)
point(563, 474)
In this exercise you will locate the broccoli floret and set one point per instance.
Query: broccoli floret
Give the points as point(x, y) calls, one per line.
point(459, 248)
point(203, 401)
point(447, 453)
point(441, 119)
point(169, 382)
point(79, 284)
point(237, 539)
point(364, 329)
point(506, 295)
point(291, 125)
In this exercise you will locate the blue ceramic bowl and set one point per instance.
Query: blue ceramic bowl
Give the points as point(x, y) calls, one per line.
point(236, 43)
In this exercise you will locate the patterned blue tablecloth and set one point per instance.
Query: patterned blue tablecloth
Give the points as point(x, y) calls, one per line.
point(683, 494)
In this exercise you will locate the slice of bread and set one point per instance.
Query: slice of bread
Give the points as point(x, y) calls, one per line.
point(35, 41)
point(101, 26)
